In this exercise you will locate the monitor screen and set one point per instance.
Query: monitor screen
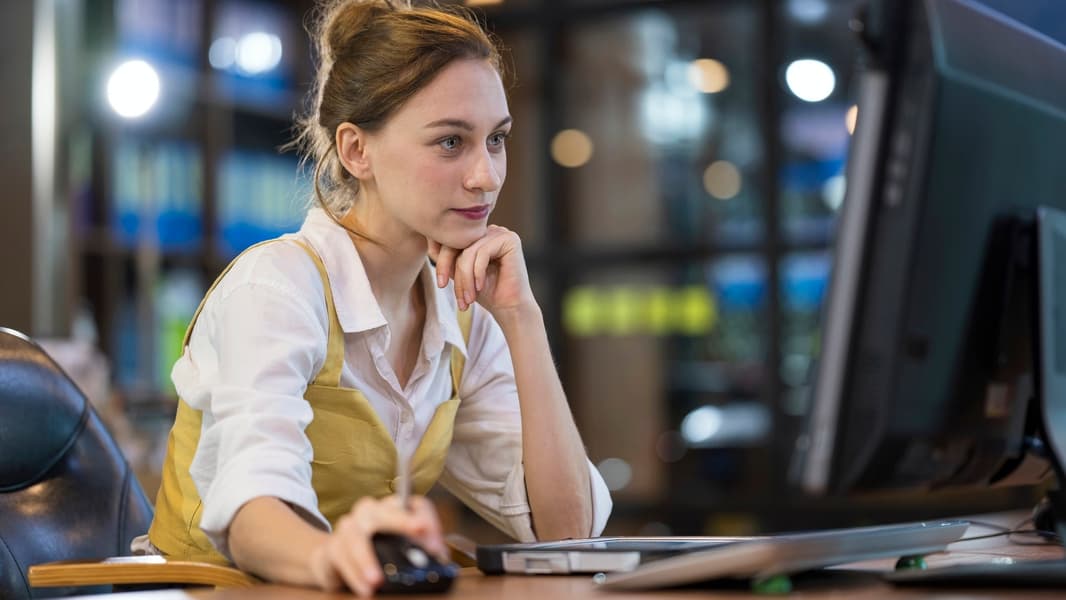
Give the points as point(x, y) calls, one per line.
point(926, 372)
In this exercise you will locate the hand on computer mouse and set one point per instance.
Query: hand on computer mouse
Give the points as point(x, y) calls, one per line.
point(348, 556)
point(409, 569)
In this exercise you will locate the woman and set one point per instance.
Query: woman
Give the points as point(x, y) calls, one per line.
point(319, 360)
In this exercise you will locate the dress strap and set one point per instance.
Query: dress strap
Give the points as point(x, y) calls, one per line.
point(330, 375)
point(466, 321)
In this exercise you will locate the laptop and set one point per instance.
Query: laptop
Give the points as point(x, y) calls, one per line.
point(588, 555)
point(633, 563)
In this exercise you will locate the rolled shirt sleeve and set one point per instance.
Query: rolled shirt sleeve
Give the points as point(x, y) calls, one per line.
point(484, 466)
point(257, 340)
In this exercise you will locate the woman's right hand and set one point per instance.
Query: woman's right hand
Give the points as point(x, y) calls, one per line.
point(347, 558)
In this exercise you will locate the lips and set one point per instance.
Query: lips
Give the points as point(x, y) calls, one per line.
point(475, 213)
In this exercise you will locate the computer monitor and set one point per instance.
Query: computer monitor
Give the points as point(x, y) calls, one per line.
point(929, 375)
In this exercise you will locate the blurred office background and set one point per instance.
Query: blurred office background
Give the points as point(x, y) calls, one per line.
point(676, 172)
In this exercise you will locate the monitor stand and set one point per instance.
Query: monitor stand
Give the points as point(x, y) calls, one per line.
point(1023, 300)
point(1043, 255)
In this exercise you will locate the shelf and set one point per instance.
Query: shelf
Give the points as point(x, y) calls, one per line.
point(100, 244)
point(577, 257)
point(717, 377)
point(216, 90)
point(142, 403)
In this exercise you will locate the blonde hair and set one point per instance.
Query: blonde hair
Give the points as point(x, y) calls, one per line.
point(372, 56)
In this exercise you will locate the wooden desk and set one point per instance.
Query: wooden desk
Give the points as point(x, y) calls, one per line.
point(859, 581)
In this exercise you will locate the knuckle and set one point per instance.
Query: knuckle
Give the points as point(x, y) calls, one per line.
point(346, 528)
point(361, 515)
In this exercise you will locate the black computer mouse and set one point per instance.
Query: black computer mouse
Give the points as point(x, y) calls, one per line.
point(410, 569)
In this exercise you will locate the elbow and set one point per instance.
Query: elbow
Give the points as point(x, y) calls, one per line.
point(571, 521)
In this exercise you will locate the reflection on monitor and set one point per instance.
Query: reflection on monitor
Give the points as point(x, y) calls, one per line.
point(929, 375)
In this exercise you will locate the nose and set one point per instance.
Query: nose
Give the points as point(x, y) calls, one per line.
point(484, 174)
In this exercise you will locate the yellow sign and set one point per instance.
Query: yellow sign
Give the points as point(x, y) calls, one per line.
point(631, 310)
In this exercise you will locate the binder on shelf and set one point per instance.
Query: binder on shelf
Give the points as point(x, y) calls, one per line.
point(260, 196)
point(128, 351)
point(178, 294)
point(164, 30)
point(126, 194)
point(145, 351)
point(179, 221)
point(157, 197)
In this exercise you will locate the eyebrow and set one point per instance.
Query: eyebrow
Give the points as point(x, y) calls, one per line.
point(461, 124)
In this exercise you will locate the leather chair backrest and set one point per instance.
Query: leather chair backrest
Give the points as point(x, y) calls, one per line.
point(66, 491)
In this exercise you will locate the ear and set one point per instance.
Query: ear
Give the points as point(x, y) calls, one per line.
point(351, 141)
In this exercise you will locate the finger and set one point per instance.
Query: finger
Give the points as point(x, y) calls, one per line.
point(445, 265)
point(350, 546)
point(489, 251)
point(347, 565)
point(432, 538)
point(322, 569)
point(422, 523)
point(466, 291)
point(384, 516)
point(432, 248)
point(366, 561)
point(480, 268)
point(421, 506)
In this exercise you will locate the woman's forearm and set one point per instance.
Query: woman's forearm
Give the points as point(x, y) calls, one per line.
point(557, 476)
point(269, 539)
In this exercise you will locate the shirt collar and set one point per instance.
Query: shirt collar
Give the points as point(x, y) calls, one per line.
point(357, 308)
point(441, 302)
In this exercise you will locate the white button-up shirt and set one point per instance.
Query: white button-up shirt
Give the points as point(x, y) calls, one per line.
point(261, 338)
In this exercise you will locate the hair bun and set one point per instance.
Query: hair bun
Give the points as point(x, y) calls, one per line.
point(343, 21)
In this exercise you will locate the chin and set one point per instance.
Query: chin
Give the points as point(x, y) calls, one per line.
point(461, 239)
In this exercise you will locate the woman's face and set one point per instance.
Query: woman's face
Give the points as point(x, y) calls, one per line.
point(437, 165)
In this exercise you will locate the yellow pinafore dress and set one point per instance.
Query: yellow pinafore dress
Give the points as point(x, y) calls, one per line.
point(354, 456)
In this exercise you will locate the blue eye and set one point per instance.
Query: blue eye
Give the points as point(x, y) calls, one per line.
point(498, 139)
point(450, 143)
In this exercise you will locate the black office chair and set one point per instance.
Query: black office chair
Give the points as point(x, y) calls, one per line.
point(66, 491)
point(67, 494)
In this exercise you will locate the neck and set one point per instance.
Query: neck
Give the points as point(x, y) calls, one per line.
point(392, 265)
point(392, 275)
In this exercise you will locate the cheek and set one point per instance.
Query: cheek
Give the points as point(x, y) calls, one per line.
point(417, 175)
point(501, 166)
point(435, 173)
